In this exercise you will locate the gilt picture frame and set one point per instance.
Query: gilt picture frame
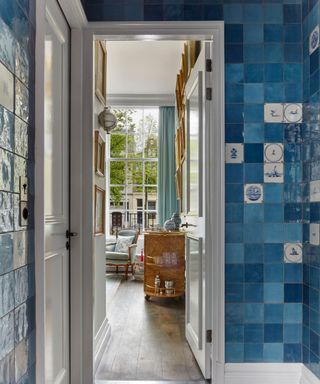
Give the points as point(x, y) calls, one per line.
point(99, 210)
point(100, 150)
point(101, 71)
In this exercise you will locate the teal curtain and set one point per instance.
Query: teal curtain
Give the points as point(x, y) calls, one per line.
point(167, 198)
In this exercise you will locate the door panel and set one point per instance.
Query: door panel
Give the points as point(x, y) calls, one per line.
point(198, 308)
point(56, 166)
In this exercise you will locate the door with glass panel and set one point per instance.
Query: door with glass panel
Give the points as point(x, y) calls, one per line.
point(56, 192)
point(198, 261)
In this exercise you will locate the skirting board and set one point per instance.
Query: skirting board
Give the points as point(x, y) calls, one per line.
point(101, 341)
point(308, 377)
point(263, 373)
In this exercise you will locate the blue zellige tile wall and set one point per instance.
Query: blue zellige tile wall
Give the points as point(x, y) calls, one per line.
point(17, 305)
point(311, 200)
point(263, 53)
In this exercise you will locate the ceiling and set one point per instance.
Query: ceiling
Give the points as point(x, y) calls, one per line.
point(143, 67)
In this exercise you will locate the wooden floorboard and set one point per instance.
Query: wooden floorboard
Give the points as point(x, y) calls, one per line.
point(147, 340)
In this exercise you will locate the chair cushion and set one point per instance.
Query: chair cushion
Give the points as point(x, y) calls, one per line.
point(116, 256)
point(123, 243)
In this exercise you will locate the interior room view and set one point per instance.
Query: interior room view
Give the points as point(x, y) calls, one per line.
point(138, 165)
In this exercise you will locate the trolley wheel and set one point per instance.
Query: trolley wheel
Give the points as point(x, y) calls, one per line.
point(147, 297)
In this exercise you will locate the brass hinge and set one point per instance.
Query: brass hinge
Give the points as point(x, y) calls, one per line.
point(208, 93)
point(208, 65)
point(209, 336)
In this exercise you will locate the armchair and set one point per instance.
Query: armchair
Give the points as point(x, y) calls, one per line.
point(124, 256)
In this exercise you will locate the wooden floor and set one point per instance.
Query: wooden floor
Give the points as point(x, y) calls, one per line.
point(147, 339)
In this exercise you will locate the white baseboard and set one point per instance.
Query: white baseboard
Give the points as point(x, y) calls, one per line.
point(101, 341)
point(308, 377)
point(263, 373)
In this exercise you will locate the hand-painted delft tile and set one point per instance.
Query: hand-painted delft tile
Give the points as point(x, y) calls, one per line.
point(6, 335)
point(21, 137)
point(7, 43)
point(314, 39)
point(273, 113)
point(6, 88)
point(21, 359)
point(20, 248)
point(6, 129)
point(22, 64)
point(6, 170)
point(315, 190)
point(6, 293)
point(7, 369)
point(273, 152)
point(20, 169)
point(234, 153)
point(21, 289)
point(6, 212)
point(293, 113)
point(6, 259)
point(293, 253)
point(253, 193)
point(22, 101)
point(314, 236)
point(273, 173)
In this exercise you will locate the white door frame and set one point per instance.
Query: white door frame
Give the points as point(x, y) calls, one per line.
point(81, 220)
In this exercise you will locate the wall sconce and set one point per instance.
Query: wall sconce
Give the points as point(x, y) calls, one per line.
point(107, 120)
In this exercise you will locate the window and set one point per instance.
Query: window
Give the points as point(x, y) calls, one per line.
point(134, 166)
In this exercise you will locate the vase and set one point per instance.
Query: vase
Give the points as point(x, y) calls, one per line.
point(170, 225)
point(177, 220)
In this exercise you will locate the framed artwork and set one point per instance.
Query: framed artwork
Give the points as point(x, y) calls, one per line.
point(178, 148)
point(178, 184)
point(100, 150)
point(182, 139)
point(101, 71)
point(99, 210)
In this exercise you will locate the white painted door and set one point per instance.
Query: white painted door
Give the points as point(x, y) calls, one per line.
point(198, 258)
point(56, 190)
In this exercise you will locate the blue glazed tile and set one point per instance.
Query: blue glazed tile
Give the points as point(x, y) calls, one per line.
point(292, 193)
point(253, 53)
point(234, 173)
point(253, 253)
point(234, 73)
point(253, 93)
point(273, 33)
point(253, 73)
point(293, 273)
point(273, 233)
point(314, 61)
point(293, 232)
point(292, 353)
point(314, 277)
point(234, 213)
point(6, 212)
point(234, 352)
point(293, 172)
point(22, 101)
point(273, 293)
point(314, 343)
point(234, 193)
point(253, 313)
point(292, 33)
point(274, 93)
point(253, 233)
point(293, 133)
point(254, 133)
point(273, 253)
point(253, 173)
point(233, 33)
point(233, 13)
point(234, 293)
point(292, 333)
point(234, 253)
point(292, 153)
point(292, 73)
point(21, 290)
point(234, 133)
point(6, 246)
point(273, 133)
point(273, 13)
point(155, 12)
point(7, 44)
point(234, 113)
point(273, 352)
point(253, 352)
point(273, 333)
point(253, 33)
point(273, 313)
point(273, 213)
point(292, 52)
point(253, 273)
point(252, 13)
point(234, 313)
point(234, 93)
point(293, 212)
point(292, 13)
point(234, 53)
point(273, 273)
point(273, 72)
point(6, 335)
point(253, 293)
point(173, 12)
point(253, 213)
point(213, 12)
point(6, 293)
point(313, 299)
point(293, 92)
point(253, 333)
point(292, 313)
point(253, 153)
point(314, 82)
point(234, 333)
point(314, 321)
point(273, 52)
point(6, 129)
point(234, 273)
point(7, 368)
point(293, 293)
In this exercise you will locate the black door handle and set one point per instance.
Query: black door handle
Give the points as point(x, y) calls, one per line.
point(71, 234)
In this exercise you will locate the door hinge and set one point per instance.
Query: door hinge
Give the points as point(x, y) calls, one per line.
point(208, 93)
point(209, 336)
point(208, 65)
